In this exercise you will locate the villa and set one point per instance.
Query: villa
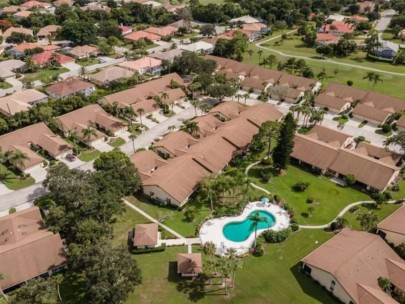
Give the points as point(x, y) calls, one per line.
point(350, 264)
point(90, 116)
point(162, 31)
point(167, 55)
point(70, 87)
point(48, 31)
point(146, 236)
point(8, 68)
point(45, 58)
point(227, 110)
point(392, 229)
point(135, 36)
point(21, 101)
point(207, 125)
point(189, 264)
point(110, 74)
point(147, 162)
point(84, 51)
point(37, 136)
point(7, 33)
point(174, 144)
point(27, 249)
point(145, 65)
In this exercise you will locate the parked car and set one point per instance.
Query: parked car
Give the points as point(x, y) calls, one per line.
point(70, 157)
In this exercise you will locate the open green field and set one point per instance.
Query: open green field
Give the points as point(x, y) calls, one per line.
point(388, 35)
point(330, 198)
point(173, 218)
point(13, 181)
point(44, 75)
point(339, 73)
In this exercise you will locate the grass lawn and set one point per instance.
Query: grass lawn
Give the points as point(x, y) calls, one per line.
point(330, 197)
point(340, 119)
point(273, 278)
point(396, 195)
point(205, 2)
point(117, 142)
point(388, 35)
point(5, 85)
point(362, 124)
point(382, 213)
point(89, 155)
point(13, 182)
point(88, 62)
point(173, 218)
point(341, 74)
point(44, 75)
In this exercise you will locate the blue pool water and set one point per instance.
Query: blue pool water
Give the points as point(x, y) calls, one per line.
point(240, 231)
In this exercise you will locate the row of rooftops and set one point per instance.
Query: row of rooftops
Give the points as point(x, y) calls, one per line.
point(335, 151)
point(367, 104)
point(191, 158)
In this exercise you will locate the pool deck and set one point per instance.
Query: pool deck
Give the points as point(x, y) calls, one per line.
point(211, 230)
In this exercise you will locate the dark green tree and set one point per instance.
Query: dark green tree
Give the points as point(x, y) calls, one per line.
point(79, 31)
point(285, 142)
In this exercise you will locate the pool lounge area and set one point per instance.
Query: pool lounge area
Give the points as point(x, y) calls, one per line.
point(235, 231)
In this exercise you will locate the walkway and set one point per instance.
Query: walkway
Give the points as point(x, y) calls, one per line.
point(260, 45)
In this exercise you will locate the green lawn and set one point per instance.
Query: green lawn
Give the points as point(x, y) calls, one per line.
point(273, 278)
point(88, 62)
point(388, 35)
point(382, 212)
point(89, 155)
point(396, 195)
point(341, 74)
point(117, 142)
point(205, 2)
point(173, 218)
point(5, 85)
point(13, 182)
point(44, 75)
point(330, 198)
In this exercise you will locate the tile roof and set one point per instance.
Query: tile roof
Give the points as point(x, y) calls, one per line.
point(328, 136)
point(142, 34)
point(111, 74)
point(45, 57)
point(344, 92)
point(20, 101)
point(189, 263)
point(146, 162)
point(140, 64)
point(331, 102)
point(229, 109)
point(207, 124)
point(162, 31)
point(48, 30)
point(368, 112)
point(68, 87)
point(394, 222)
point(177, 143)
point(146, 235)
point(83, 50)
point(21, 30)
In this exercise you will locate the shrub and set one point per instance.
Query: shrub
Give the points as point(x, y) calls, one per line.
point(400, 249)
point(189, 216)
point(52, 162)
point(148, 250)
point(350, 179)
point(12, 210)
point(300, 186)
point(276, 198)
point(310, 200)
point(271, 236)
point(359, 139)
point(294, 227)
point(266, 162)
point(258, 251)
point(386, 128)
point(354, 209)
point(349, 83)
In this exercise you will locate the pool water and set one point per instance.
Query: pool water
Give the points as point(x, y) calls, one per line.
point(240, 231)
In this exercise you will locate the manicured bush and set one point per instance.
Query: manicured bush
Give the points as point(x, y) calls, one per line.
point(359, 139)
point(354, 209)
point(148, 250)
point(310, 200)
point(12, 210)
point(386, 128)
point(294, 227)
point(271, 236)
point(350, 179)
point(300, 186)
point(349, 83)
point(258, 251)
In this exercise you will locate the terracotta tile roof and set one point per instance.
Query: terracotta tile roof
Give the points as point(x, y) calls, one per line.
point(177, 143)
point(145, 62)
point(396, 272)
point(20, 101)
point(207, 124)
point(23, 14)
point(146, 162)
point(173, 95)
point(111, 74)
point(22, 47)
point(313, 152)
point(142, 34)
point(260, 113)
point(32, 160)
point(326, 37)
point(328, 136)
point(238, 132)
point(146, 235)
point(254, 27)
point(229, 109)
point(368, 295)
point(189, 263)
point(401, 122)
point(353, 257)
point(380, 153)
point(81, 118)
point(34, 3)
point(143, 91)
point(168, 55)
point(366, 170)
point(162, 31)
point(368, 112)
point(345, 92)
point(331, 102)
point(60, 2)
point(297, 82)
point(27, 249)
point(48, 30)
point(84, 51)
point(148, 105)
point(68, 87)
point(340, 27)
point(11, 9)
point(37, 134)
point(21, 30)
point(395, 222)
point(45, 57)
point(384, 102)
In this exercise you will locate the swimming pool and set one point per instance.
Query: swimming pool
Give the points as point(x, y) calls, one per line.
point(241, 230)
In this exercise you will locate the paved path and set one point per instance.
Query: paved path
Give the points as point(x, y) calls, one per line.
point(260, 45)
point(179, 242)
point(153, 220)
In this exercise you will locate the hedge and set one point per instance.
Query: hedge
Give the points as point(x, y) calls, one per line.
point(148, 250)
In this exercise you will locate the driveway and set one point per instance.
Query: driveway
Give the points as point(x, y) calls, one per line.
point(384, 21)
point(103, 146)
point(38, 173)
point(4, 190)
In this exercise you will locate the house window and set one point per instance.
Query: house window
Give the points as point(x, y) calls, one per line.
point(151, 193)
point(332, 286)
point(168, 200)
point(307, 269)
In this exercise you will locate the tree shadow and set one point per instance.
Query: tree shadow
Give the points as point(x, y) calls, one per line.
point(310, 287)
point(305, 214)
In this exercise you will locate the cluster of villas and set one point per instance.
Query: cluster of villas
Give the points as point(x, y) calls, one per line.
point(371, 107)
point(172, 169)
point(351, 263)
point(336, 154)
point(253, 78)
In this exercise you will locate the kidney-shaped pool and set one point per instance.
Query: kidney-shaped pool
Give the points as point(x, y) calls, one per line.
point(241, 230)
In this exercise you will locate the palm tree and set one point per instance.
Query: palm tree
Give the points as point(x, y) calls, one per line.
point(209, 248)
point(87, 133)
point(83, 72)
point(194, 103)
point(368, 221)
point(370, 76)
point(246, 96)
point(164, 96)
point(207, 187)
point(238, 97)
point(256, 219)
point(271, 60)
point(132, 137)
point(377, 78)
point(73, 137)
point(190, 127)
point(17, 159)
point(140, 111)
point(385, 285)
point(129, 113)
point(248, 185)
point(260, 53)
point(250, 52)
